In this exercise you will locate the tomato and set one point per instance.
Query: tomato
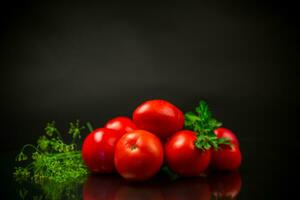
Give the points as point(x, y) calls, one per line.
point(159, 117)
point(226, 158)
point(194, 188)
point(108, 185)
point(121, 124)
point(226, 133)
point(98, 150)
point(138, 155)
point(225, 185)
point(183, 157)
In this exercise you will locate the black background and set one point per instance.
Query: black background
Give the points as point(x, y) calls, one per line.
point(96, 60)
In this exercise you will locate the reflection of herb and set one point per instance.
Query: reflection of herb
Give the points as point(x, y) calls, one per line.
point(49, 190)
point(204, 124)
point(52, 160)
point(70, 190)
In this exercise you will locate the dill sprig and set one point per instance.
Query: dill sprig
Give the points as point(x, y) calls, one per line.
point(52, 159)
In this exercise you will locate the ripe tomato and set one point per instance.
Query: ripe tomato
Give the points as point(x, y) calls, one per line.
point(98, 150)
point(194, 188)
point(121, 124)
point(183, 157)
point(225, 185)
point(159, 117)
point(226, 158)
point(226, 133)
point(138, 155)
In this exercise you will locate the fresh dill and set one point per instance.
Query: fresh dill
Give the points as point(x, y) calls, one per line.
point(52, 159)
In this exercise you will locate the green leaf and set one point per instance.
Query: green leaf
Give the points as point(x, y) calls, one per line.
point(203, 123)
point(43, 143)
point(21, 156)
point(51, 130)
point(89, 126)
point(53, 159)
point(75, 129)
point(21, 174)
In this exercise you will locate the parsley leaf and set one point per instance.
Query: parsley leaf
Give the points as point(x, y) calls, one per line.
point(202, 122)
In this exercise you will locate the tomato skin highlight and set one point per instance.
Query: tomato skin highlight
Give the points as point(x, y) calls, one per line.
point(121, 124)
point(226, 158)
point(159, 117)
point(138, 155)
point(226, 133)
point(98, 150)
point(183, 157)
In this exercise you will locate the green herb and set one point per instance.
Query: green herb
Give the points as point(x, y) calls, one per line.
point(50, 190)
point(202, 122)
point(52, 159)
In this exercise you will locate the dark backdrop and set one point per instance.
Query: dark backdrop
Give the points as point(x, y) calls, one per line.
point(94, 60)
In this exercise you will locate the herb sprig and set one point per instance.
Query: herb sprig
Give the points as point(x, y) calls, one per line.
point(52, 159)
point(202, 122)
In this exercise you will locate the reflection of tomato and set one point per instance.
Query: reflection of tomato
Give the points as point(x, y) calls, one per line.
point(138, 155)
point(226, 133)
point(138, 192)
point(98, 150)
point(159, 117)
point(225, 185)
point(121, 124)
point(187, 189)
point(183, 157)
point(226, 158)
point(101, 187)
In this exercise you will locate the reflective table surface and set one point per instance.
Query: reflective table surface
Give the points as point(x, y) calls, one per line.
point(263, 175)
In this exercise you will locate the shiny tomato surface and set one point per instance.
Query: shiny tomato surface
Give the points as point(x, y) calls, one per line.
point(226, 133)
point(183, 157)
point(121, 124)
point(138, 155)
point(98, 150)
point(159, 117)
point(227, 158)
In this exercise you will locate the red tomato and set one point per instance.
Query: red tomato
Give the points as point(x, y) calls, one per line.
point(108, 185)
point(98, 150)
point(138, 155)
point(226, 158)
point(225, 185)
point(159, 117)
point(226, 133)
point(121, 124)
point(183, 157)
point(189, 189)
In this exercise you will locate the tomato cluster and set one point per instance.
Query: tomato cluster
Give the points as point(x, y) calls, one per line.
point(137, 148)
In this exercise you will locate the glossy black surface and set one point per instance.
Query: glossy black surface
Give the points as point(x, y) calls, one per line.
point(260, 177)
